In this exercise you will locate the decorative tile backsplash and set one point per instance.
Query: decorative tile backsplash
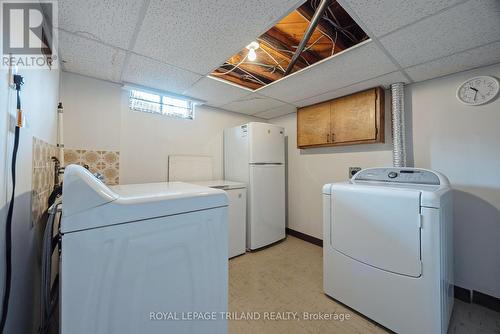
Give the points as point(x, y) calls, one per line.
point(42, 177)
point(105, 162)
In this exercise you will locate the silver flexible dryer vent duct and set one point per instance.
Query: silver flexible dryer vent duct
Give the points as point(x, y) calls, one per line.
point(398, 125)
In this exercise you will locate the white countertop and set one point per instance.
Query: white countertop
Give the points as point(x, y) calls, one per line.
point(220, 184)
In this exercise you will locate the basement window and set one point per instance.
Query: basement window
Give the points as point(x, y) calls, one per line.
point(269, 57)
point(141, 101)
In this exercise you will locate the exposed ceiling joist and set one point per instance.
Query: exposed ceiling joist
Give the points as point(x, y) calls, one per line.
point(308, 33)
point(237, 79)
point(283, 49)
point(325, 28)
point(284, 42)
point(264, 72)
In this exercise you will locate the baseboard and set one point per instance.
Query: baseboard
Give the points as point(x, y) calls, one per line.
point(305, 237)
point(493, 303)
point(462, 294)
point(476, 297)
point(465, 295)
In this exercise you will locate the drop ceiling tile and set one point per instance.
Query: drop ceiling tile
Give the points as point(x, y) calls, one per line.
point(471, 24)
point(360, 63)
point(200, 36)
point(384, 81)
point(252, 104)
point(481, 56)
point(277, 112)
point(111, 22)
point(151, 73)
point(382, 17)
point(216, 92)
point(90, 58)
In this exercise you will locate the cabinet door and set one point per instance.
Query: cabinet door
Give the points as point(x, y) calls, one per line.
point(313, 125)
point(355, 118)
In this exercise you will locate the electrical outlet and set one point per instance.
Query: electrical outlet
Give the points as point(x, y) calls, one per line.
point(353, 171)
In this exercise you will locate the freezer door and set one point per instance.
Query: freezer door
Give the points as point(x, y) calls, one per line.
point(236, 154)
point(378, 227)
point(266, 205)
point(267, 143)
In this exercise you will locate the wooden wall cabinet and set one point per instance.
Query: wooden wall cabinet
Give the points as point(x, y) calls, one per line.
point(354, 119)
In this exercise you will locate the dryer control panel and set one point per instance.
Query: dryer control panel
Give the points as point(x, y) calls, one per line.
point(398, 175)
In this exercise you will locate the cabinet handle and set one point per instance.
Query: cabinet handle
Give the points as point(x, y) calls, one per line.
point(333, 137)
point(327, 137)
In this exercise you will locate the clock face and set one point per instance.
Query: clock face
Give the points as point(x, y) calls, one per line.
point(478, 90)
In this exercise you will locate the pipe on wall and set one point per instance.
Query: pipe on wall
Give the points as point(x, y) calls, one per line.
point(398, 125)
point(60, 133)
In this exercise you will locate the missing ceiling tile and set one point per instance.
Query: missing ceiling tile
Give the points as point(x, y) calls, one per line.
point(267, 58)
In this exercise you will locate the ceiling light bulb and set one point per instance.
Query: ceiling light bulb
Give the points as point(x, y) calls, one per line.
point(254, 45)
point(252, 55)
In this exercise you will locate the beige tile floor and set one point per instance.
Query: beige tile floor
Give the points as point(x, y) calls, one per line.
point(288, 277)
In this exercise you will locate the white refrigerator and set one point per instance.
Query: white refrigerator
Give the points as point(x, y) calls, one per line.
point(254, 153)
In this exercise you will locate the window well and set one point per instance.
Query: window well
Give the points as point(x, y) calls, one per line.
point(323, 27)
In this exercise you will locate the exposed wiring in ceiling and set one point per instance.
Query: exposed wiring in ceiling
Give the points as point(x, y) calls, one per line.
point(283, 50)
point(334, 21)
point(317, 40)
point(338, 26)
point(334, 43)
point(259, 64)
point(346, 32)
point(278, 64)
point(270, 68)
point(270, 56)
point(333, 15)
point(313, 43)
point(235, 66)
point(276, 52)
point(249, 76)
point(323, 34)
point(253, 76)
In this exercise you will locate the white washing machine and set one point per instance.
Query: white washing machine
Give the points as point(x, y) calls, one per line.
point(388, 249)
point(237, 212)
point(145, 258)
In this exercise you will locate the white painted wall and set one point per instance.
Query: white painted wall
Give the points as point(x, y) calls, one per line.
point(147, 140)
point(91, 113)
point(310, 169)
point(464, 143)
point(97, 117)
point(39, 101)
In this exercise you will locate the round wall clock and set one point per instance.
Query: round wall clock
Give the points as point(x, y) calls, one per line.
point(478, 90)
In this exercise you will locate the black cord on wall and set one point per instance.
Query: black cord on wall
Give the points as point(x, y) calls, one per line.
point(18, 81)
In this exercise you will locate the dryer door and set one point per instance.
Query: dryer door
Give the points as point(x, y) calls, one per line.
point(378, 226)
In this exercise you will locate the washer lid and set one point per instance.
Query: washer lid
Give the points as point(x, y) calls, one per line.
point(88, 203)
